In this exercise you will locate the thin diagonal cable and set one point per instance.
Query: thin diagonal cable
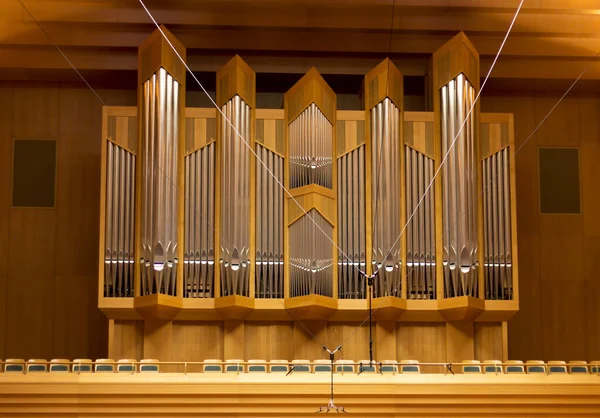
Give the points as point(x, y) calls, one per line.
point(457, 134)
point(509, 160)
point(251, 269)
point(242, 138)
point(442, 163)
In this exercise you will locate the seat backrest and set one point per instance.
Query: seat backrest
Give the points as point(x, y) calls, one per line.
point(322, 366)
point(279, 366)
point(234, 365)
point(82, 365)
point(410, 366)
point(514, 366)
point(389, 366)
point(471, 366)
point(59, 365)
point(257, 366)
point(344, 366)
point(14, 365)
point(578, 366)
point(37, 365)
point(557, 366)
point(535, 366)
point(595, 367)
point(301, 366)
point(149, 365)
point(366, 366)
point(492, 366)
point(212, 366)
point(126, 365)
point(104, 365)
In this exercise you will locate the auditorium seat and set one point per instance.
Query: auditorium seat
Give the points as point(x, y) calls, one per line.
point(535, 366)
point(492, 366)
point(82, 365)
point(104, 365)
point(212, 366)
point(389, 366)
point(471, 366)
point(59, 365)
point(557, 366)
point(344, 366)
point(149, 365)
point(578, 366)
point(595, 367)
point(321, 366)
point(126, 365)
point(257, 366)
point(234, 366)
point(37, 365)
point(514, 366)
point(410, 366)
point(279, 366)
point(366, 366)
point(14, 365)
point(301, 366)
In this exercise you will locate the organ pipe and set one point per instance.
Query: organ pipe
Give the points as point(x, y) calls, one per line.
point(269, 227)
point(497, 226)
point(351, 221)
point(160, 133)
point(119, 222)
point(235, 198)
point(199, 221)
point(459, 180)
point(385, 198)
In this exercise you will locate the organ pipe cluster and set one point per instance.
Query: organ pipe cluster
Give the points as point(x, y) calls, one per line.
point(119, 225)
point(420, 230)
point(497, 231)
point(235, 198)
point(311, 262)
point(269, 280)
point(351, 221)
point(199, 223)
point(160, 132)
point(385, 199)
point(459, 180)
point(310, 149)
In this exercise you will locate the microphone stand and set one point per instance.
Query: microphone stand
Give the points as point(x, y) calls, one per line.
point(370, 280)
point(331, 406)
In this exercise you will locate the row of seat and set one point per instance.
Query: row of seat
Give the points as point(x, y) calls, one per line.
point(299, 366)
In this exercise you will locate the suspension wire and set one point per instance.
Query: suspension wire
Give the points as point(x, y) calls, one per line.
point(155, 164)
point(243, 139)
point(440, 166)
point(509, 160)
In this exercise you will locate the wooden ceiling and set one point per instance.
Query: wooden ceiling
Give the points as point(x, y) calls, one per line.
point(551, 40)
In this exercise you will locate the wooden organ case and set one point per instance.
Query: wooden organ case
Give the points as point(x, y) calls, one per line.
point(204, 255)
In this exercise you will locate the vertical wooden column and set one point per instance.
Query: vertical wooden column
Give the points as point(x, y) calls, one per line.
point(310, 122)
point(452, 64)
point(161, 131)
point(385, 192)
point(235, 190)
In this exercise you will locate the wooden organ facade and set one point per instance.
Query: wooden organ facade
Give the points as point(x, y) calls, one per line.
point(203, 254)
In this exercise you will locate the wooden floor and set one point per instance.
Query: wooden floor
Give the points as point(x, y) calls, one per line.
point(274, 395)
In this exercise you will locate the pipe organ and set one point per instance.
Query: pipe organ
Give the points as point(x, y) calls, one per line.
point(426, 204)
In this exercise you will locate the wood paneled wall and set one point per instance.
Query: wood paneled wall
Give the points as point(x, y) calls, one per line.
point(559, 254)
point(48, 257)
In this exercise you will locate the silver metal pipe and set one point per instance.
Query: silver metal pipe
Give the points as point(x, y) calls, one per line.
point(507, 228)
point(115, 219)
point(361, 218)
point(108, 216)
point(211, 216)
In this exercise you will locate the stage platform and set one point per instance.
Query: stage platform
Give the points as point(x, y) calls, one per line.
point(297, 395)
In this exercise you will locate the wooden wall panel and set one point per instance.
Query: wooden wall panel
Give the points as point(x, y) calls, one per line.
point(562, 248)
point(488, 341)
point(6, 114)
point(354, 339)
point(36, 110)
point(282, 339)
point(79, 181)
point(197, 341)
point(425, 342)
point(268, 341)
point(128, 340)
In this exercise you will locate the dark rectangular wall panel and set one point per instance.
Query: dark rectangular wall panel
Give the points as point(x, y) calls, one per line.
point(34, 173)
point(559, 180)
